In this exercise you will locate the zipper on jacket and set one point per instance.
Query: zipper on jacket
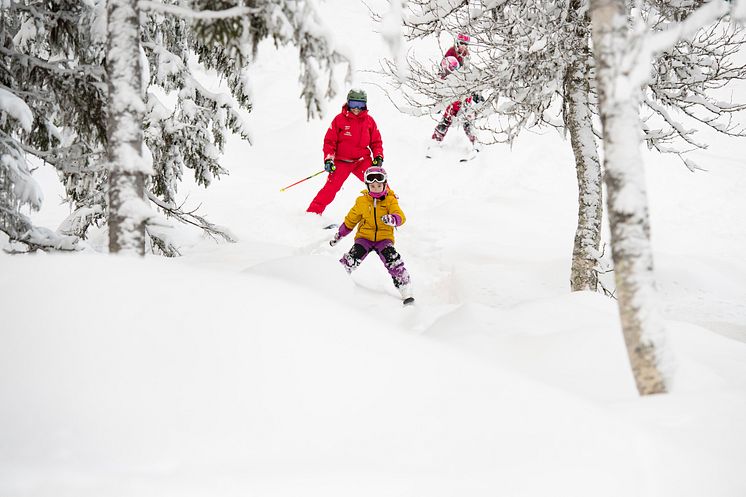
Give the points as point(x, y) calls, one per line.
point(375, 220)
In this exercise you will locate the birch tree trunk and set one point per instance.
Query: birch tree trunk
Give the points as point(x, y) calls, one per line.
point(643, 329)
point(128, 210)
point(578, 119)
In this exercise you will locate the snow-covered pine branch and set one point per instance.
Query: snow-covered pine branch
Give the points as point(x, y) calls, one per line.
point(51, 65)
point(56, 59)
point(187, 13)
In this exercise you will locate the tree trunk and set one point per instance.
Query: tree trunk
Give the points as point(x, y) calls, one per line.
point(128, 210)
point(643, 328)
point(583, 272)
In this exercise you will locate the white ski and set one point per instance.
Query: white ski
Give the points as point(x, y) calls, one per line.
point(471, 156)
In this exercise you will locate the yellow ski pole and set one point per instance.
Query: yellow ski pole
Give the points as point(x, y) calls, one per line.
point(304, 179)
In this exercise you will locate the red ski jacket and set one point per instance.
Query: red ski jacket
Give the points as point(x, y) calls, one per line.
point(352, 137)
point(452, 52)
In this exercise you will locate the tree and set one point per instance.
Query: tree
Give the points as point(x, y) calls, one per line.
point(624, 54)
point(532, 62)
point(44, 61)
point(63, 81)
point(627, 203)
point(532, 59)
point(532, 55)
point(128, 211)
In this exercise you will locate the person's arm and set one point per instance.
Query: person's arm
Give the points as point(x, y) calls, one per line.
point(376, 142)
point(351, 219)
point(330, 140)
point(396, 216)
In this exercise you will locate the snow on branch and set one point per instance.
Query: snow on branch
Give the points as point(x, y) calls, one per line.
point(16, 108)
point(197, 14)
point(702, 16)
point(190, 217)
point(666, 39)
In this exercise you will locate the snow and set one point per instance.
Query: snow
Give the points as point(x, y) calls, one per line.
point(25, 189)
point(739, 10)
point(16, 108)
point(260, 368)
point(391, 32)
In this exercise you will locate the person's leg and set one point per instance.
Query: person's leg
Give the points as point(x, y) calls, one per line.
point(352, 259)
point(334, 182)
point(469, 133)
point(395, 266)
point(442, 128)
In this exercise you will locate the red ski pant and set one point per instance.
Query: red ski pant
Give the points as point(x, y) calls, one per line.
point(335, 180)
point(452, 111)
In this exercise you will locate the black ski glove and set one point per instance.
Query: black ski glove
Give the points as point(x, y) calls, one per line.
point(329, 165)
point(378, 161)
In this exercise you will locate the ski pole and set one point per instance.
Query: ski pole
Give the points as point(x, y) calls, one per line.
point(301, 181)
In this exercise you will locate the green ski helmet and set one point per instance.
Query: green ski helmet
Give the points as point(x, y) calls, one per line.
point(357, 95)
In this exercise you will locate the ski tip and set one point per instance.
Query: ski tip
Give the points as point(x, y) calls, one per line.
point(331, 226)
point(408, 301)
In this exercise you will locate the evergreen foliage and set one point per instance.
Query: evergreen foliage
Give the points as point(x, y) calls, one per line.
point(52, 59)
point(49, 62)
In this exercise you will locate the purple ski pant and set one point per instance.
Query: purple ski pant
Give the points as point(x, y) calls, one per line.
point(391, 259)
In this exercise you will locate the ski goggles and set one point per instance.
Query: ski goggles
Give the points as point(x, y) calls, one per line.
point(375, 178)
point(356, 104)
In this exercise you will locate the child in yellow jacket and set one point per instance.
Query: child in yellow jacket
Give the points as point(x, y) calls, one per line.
point(376, 213)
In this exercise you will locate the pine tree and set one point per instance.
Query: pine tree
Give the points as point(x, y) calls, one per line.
point(62, 79)
point(49, 71)
point(193, 134)
point(128, 210)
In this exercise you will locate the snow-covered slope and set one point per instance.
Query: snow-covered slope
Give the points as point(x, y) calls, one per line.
point(260, 368)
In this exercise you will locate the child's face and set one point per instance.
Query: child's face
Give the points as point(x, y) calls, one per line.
point(376, 187)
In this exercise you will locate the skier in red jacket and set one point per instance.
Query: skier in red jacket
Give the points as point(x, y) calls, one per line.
point(454, 59)
point(348, 144)
point(460, 49)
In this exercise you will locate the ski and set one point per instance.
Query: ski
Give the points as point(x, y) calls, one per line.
point(408, 301)
point(472, 155)
point(331, 226)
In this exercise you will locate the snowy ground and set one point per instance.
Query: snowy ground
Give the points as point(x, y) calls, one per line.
point(261, 369)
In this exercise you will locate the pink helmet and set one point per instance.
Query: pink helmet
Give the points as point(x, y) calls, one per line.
point(463, 39)
point(376, 174)
point(449, 64)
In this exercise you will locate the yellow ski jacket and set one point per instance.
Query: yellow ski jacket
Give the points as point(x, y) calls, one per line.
point(367, 213)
